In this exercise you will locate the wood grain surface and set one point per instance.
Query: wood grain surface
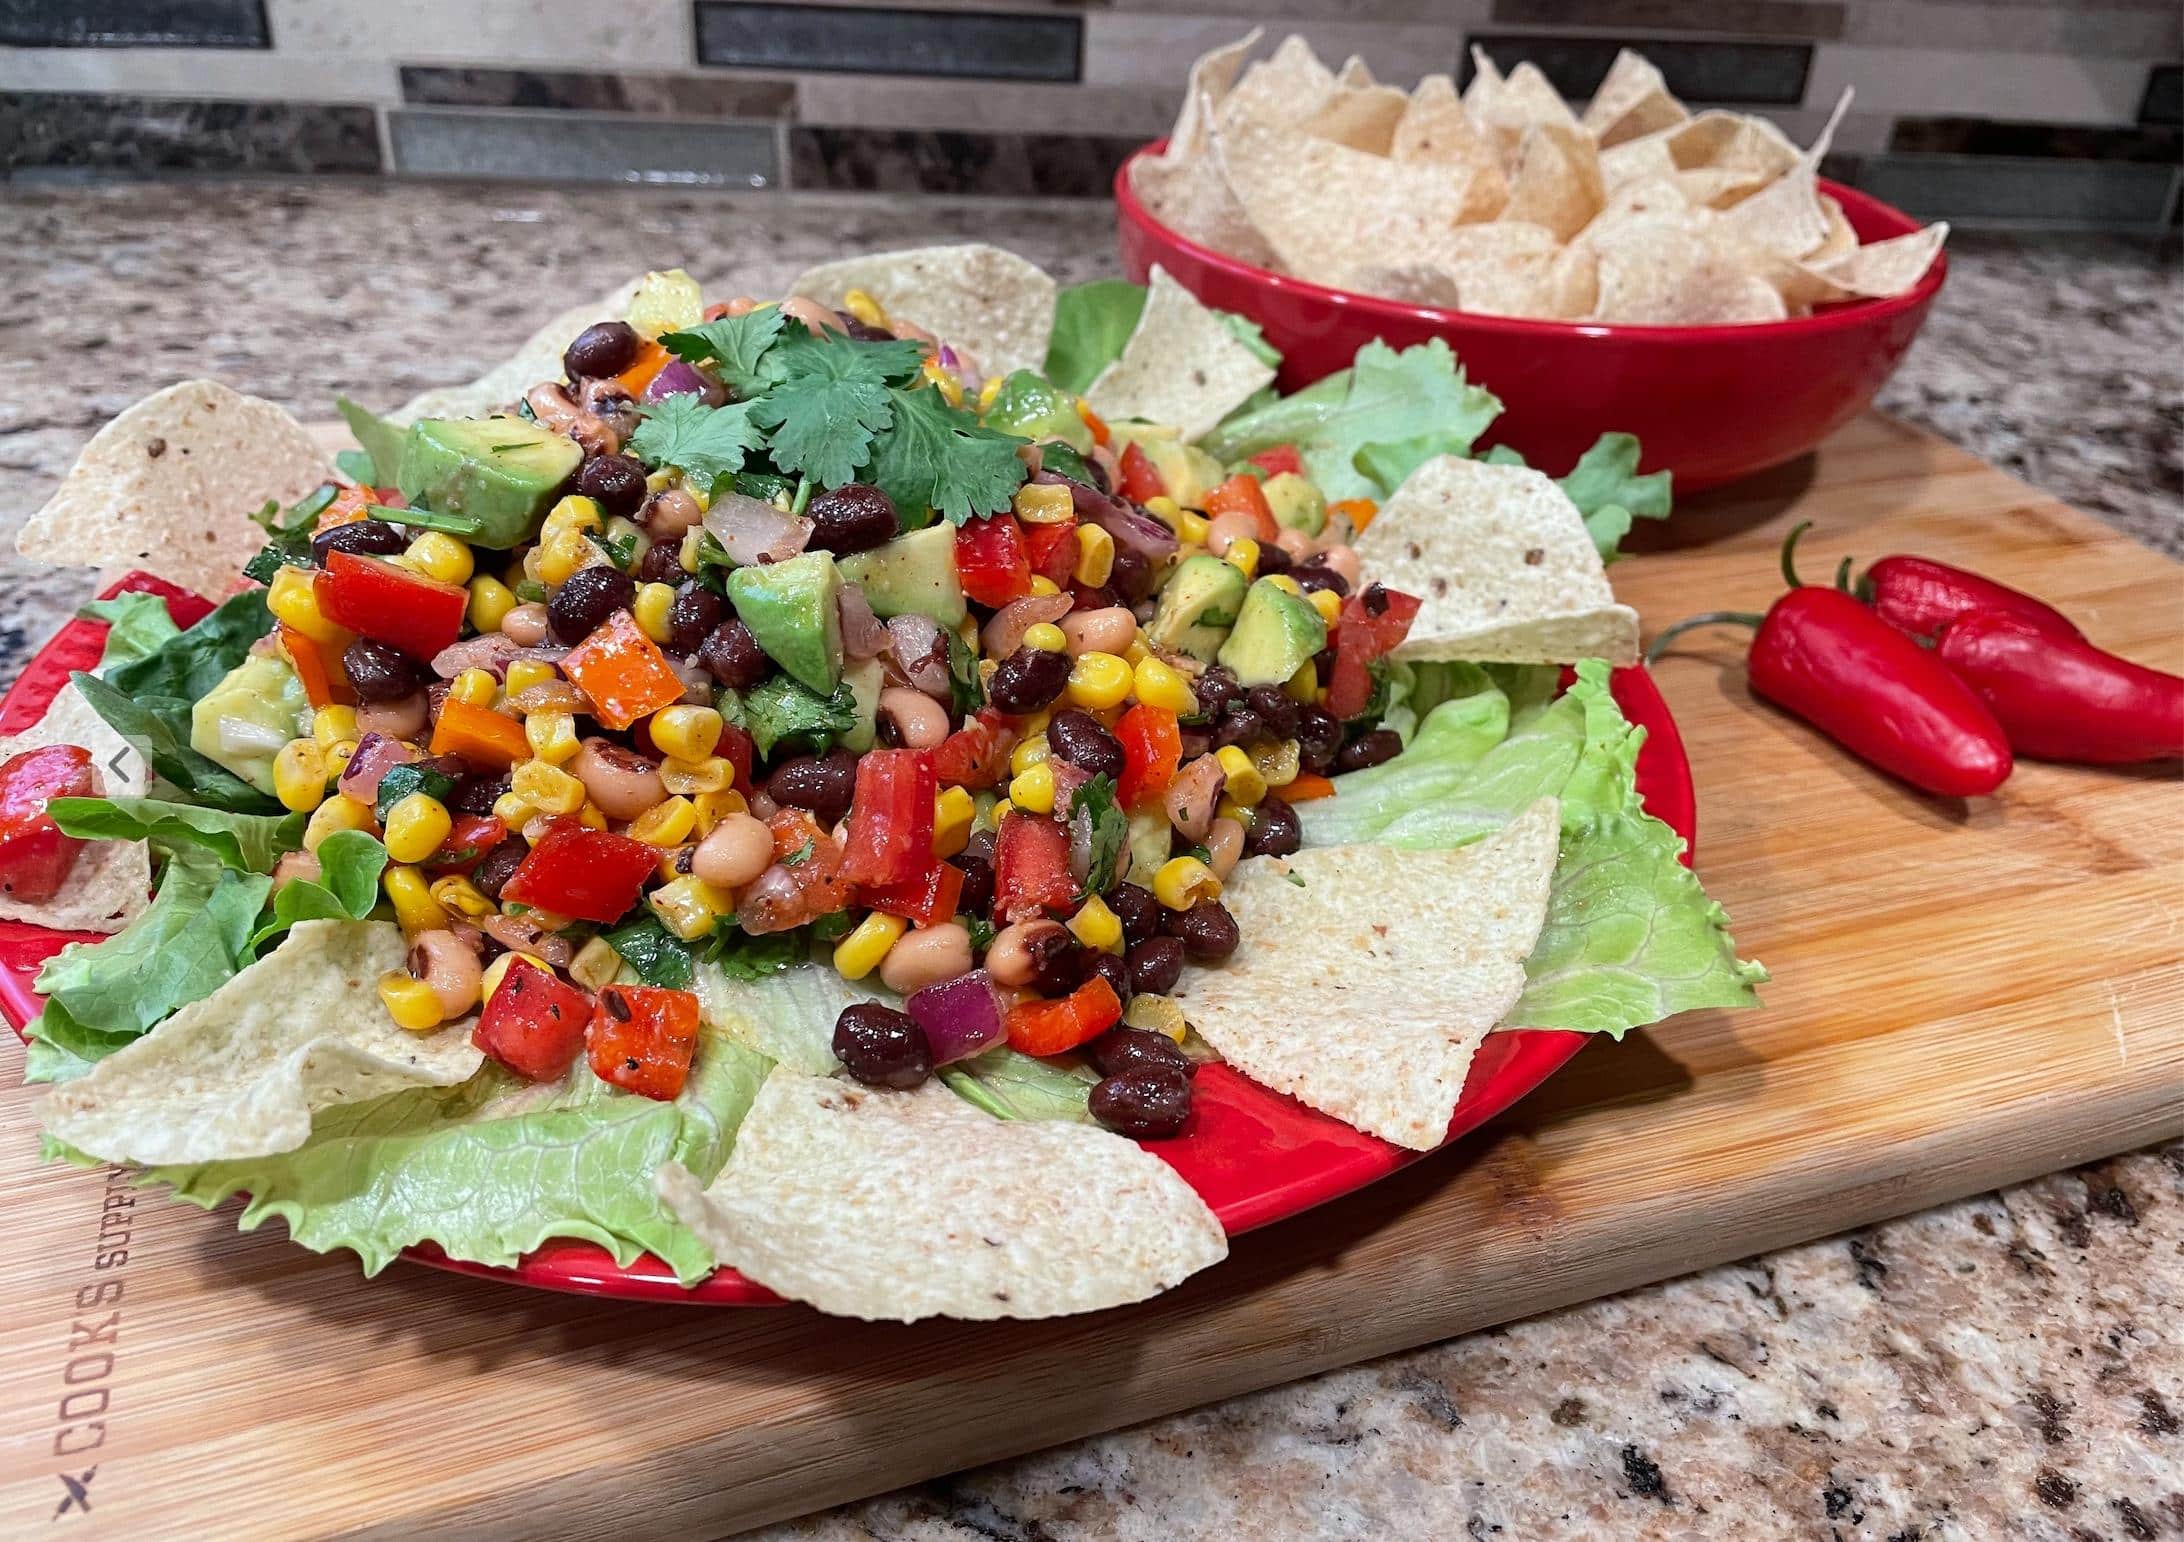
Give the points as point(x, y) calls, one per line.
point(1964, 995)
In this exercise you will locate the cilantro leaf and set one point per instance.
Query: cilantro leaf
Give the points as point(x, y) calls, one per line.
point(291, 532)
point(401, 781)
point(658, 955)
point(736, 345)
point(829, 400)
point(1095, 815)
point(941, 457)
point(748, 957)
point(705, 443)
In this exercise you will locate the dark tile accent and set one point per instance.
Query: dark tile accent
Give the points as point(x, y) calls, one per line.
point(938, 161)
point(134, 24)
point(988, 45)
point(2164, 98)
point(1761, 74)
point(653, 96)
point(2061, 141)
point(1816, 20)
point(2001, 190)
point(571, 147)
point(50, 130)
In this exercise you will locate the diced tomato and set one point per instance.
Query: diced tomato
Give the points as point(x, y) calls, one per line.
point(1372, 622)
point(479, 735)
point(1242, 494)
point(319, 670)
point(1052, 549)
point(392, 605)
point(890, 834)
point(642, 1038)
point(1057, 1027)
point(1030, 867)
point(1152, 746)
point(1140, 480)
point(1277, 459)
point(593, 875)
point(977, 754)
point(468, 840)
point(928, 899)
point(804, 883)
point(534, 1024)
point(991, 561)
point(623, 671)
point(35, 857)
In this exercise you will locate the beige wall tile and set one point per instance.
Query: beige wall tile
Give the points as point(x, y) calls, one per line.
point(992, 107)
point(222, 74)
point(577, 34)
point(2044, 88)
point(1126, 49)
point(2153, 33)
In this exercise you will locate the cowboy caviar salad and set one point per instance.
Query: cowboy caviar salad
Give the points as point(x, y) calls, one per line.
point(773, 782)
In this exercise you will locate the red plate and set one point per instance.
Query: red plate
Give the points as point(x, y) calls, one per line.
point(1254, 1155)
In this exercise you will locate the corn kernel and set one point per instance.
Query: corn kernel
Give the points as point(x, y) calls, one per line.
point(651, 608)
point(339, 812)
point(686, 778)
point(1192, 529)
point(1286, 584)
point(473, 687)
point(416, 826)
point(1303, 686)
point(558, 557)
point(1031, 750)
point(661, 480)
point(546, 787)
point(1096, 926)
point(1035, 723)
point(411, 896)
point(627, 533)
point(987, 393)
point(1243, 555)
point(552, 736)
point(591, 816)
point(496, 973)
point(459, 894)
point(1138, 651)
point(690, 907)
point(953, 810)
point(1095, 556)
point(330, 724)
point(944, 381)
point(1278, 763)
point(1098, 680)
point(574, 512)
point(1165, 509)
point(490, 602)
point(1033, 790)
point(514, 810)
point(1162, 685)
point(1044, 503)
point(700, 493)
point(712, 807)
point(410, 1002)
point(1244, 782)
point(667, 864)
point(338, 755)
point(864, 308)
point(1046, 637)
point(1160, 1014)
point(1183, 881)
point(438, 555)
point(859, 953)
point(293, 599)
point(525, 673)
point(1229, 808)
point(299, 775)
point(596, 964)
point(692, 542)
point(668, 823)
point(1043, 586)
point(686, 733)
point(1328, 604)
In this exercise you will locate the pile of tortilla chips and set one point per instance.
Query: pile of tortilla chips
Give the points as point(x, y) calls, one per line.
point(1504, 201)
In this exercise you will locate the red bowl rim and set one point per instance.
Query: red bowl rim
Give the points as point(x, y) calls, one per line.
point(1844, 316)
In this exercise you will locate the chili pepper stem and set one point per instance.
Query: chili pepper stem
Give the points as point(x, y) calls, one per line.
point(1789, 553)
point(1750, 618)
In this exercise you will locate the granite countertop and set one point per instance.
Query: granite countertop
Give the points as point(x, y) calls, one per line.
point(2003, 1366)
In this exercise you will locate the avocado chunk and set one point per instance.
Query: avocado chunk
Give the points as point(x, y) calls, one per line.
point(666, 302)
point(247, 719)
point(1188, 472)
point(1275, 635)
point(865, 678)
point(500, 473)
point(1197, 607)
point(793, 608)
point(1029, 405)
point(913, 574)
point(1296, 503)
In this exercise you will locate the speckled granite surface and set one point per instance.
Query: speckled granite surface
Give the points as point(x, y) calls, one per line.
point(2009, 1366)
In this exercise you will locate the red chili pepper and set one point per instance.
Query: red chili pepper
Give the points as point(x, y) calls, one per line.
point(593, 875)
point(890, 834)
point(1152, 748)
point(35, 857)
point(392, 605)
point(534, 1024)
point(2061, 698)
point(642, 1039)
point(1923, 597)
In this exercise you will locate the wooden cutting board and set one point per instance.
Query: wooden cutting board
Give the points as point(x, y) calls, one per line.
point(1963, 996)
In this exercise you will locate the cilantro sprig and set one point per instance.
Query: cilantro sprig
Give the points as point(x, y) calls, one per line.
point(941, 457)
point(829, 401)
point(736, 347)
point(707, 444)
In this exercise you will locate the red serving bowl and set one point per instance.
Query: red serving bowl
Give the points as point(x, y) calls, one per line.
point(1710, 404)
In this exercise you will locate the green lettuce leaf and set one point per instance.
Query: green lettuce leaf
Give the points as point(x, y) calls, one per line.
point(1609, 492)
point(346, 889)
point(249, 843)
point(192, 662)
point(138, 627)
point(1011, 1085)
point(158, 728)
point(1092, 322)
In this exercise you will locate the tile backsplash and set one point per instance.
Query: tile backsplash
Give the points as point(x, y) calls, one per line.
point(1981, 111)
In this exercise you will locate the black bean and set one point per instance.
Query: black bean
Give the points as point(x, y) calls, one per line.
point(1082, 740)
point(1138, 1049)
point(1115, 972)
point(603, 348)
point(691, 619)
point(1132, 576)
point(1194, 742)
point(1215, 688)
point(882, 1047)
point(1093, 596)
point(1274, 831)
point(476, 792)
point(364, 537)
point(824, 785)
point(862, 332)
point(1136, 908)
point(1375, 599)
point(1027, 680)
point(1382, 744)
point(977, 896)
point(1311, 576)
point(1060, 963)
point(1277, 709)
point(1319, 738)
point(732, 656)
point(1206, 930)
point(1142, 1104)
point(378, 672)
point(616, 482)
point(1155, 965)
point(499, 866)
point(1272, 560)
point(851, 519)
point(582, 605)
point(661, 564)
point(1238, 725)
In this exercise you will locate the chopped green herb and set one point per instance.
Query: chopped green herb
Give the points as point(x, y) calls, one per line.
point(403, 780)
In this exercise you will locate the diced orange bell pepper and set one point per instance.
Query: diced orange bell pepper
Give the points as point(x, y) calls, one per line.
point(480, 735)
point(623, 671)
point(1359, 511)
point(1101, 434)
point(325, 682)
point(1242, 494)
point(1307, 786)
point(347, 508)
point(1057, 1027)
point(651, 359)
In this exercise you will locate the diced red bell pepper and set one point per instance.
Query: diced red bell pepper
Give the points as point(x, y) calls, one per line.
point(928, 899)
point(1140, 480)
point(642, 1038)
point(325, 682)
point(35, 857)
point(1372, 622)
point(1057, 1027)
point(804, 883)
point(1030, 867)
point(392, 605)
point(977, 754)
point(593, 875)
point(534, 1024)
point(623, 671)
point(890, 834)
point(991, 561)
point(479, 735)
point(1277, 459)
point(1052, 549)
point(468, 840)
point(1241, 494)
point(1152, 747)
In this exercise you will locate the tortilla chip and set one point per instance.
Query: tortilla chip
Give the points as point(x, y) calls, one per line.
point(240, 1073)
point(903, 1205)
point(1286, 89)
point(1518, 102)
point(1362, 117)
point(1784, 217)
point(1400, 995)
point(112, 880)
point(1887, 267)
point(538, 359)
point(1486, 80)
point(1638, 160)
point(1733, 140)
point(1503, 564)
point(984, 301)
point(1662, 270)
point(1212, 77)
point(1192, 197)
point(1632, 101)
point(1573, 283)
point(1648, 197)
point(1501, 268)
point(1840, 240)
point(1557, 182)
point(1434, 127)
point(1355, 74)
point(1182, 366)
point(170, 485)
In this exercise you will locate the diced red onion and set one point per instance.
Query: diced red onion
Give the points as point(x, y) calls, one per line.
point(961, 1017)
point(862, 635)
point(680, 378)
point(520, 935)
point(1193, 796)
point(1133, 531)
point(1032, 457)
point(1110, 467)
point(920, 653)
point(1005, 632)
point(751, 531)
point(489, 650)
point(375, 756)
